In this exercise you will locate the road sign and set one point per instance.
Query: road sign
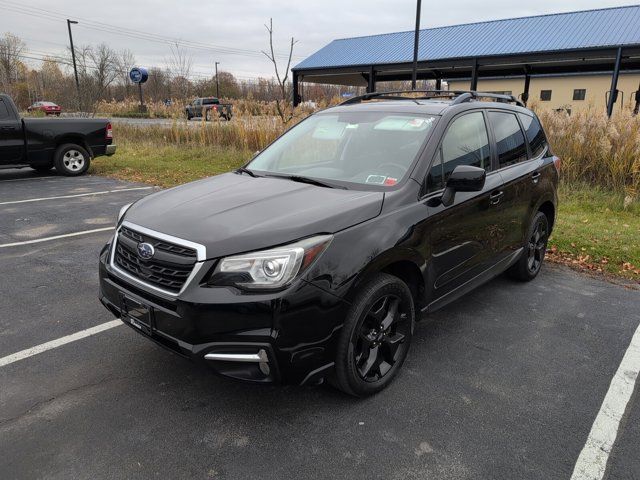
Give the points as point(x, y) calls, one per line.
point(138, 75)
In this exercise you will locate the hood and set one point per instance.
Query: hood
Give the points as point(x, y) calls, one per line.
point(234, 213)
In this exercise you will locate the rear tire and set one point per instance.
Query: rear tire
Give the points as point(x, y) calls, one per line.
point(530, 262)
point(375, 337)
point(207, 115)
point(42, 168)
point(71, 160)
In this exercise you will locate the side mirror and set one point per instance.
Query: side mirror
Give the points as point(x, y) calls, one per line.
point(464, 178)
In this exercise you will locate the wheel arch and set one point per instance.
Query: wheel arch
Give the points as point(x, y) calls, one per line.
point(549, 209)
point(73, 138)
point(407, 265)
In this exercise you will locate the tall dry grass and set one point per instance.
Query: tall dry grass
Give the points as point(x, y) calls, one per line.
point(240, 134)
point(595, 149)
point(241, 108)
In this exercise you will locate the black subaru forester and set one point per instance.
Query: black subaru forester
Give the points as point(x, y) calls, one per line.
point(315, 260)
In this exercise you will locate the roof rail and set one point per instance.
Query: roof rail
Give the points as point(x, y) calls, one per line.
point(458, 96)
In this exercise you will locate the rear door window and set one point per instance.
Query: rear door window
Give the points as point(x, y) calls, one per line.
point(510, 143)
point(465, 143)
point(535, 134)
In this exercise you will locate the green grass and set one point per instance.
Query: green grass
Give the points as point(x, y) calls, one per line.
point(167, 165)
point(593, 230)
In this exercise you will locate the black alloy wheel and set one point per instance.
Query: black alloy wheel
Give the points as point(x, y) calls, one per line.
point(530, 262)
point(375, 337)
point(381, 338)
point(536, 247)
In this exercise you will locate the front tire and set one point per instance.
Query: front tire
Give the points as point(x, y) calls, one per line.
point(530, 262)
point(71, 160)
point(375, 337)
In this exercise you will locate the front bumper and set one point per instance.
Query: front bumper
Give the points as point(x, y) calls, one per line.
point(284, 337)
point(110, 150)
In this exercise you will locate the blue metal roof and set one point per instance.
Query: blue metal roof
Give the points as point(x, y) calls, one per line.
point(605, 27)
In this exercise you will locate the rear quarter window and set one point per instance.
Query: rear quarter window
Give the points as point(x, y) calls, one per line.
point(535, 134)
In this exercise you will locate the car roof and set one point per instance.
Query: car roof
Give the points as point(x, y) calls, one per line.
point(422, 106)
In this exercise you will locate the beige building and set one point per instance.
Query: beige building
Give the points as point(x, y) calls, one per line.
point(569, 91)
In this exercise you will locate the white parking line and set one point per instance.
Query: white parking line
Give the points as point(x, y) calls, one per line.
point(56, 237)
point(592, 462)
point(104, 192)
point(30, 352)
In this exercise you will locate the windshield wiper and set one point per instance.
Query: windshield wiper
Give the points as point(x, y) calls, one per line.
point(247, 171)
point(310, 181)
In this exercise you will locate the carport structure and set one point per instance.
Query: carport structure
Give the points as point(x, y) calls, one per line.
point(590, 41)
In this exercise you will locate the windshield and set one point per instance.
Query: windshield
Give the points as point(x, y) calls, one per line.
point(369, 148)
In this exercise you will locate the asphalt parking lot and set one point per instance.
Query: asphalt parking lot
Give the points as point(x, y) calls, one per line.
point(506, 384)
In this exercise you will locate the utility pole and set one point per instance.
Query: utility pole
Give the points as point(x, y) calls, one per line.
point(217, 84)
point(414, 76)
point(73, 56)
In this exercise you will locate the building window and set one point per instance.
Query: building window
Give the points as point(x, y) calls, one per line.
point(545, 95)
point(579, 94)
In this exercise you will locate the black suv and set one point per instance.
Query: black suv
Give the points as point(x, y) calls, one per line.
point(315, 259)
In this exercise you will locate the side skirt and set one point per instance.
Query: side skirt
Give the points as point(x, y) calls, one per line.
point(474, 282)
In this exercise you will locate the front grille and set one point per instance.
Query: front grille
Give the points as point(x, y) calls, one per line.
point(168, 269)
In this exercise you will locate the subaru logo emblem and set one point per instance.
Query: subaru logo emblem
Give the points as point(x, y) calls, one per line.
point(145, 250)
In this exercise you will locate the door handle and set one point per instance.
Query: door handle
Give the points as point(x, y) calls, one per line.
point(496, 197)
point(535, 176)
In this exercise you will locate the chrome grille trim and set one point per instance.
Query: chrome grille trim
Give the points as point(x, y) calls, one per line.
point(201, 256)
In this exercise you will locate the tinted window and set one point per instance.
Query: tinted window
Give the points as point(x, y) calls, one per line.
point(465, 143)
point(545, 95)
point(4, 113)
point(510, 141)
point(535, 135)
point(579, 94)
point(211, 101)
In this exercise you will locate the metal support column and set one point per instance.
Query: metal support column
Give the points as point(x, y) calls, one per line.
point(474, 75)
point(371, 86)
point(613, 93)
point(296, 88)
point(438, 83)
point(416, 41)
point(527, 83)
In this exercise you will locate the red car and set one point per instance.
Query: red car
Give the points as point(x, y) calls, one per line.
point(49, 108)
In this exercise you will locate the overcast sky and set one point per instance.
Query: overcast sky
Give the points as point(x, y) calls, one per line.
point(233, 33)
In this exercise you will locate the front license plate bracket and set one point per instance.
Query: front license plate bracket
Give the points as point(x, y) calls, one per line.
point(136, 314)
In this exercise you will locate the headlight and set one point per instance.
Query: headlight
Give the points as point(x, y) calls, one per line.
point(122, 211)
point(268, 269)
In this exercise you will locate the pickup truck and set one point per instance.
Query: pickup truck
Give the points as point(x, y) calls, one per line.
point(208, 108)
point(68, 144)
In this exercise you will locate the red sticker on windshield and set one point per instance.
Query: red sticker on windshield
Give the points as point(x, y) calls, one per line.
point(390, 181)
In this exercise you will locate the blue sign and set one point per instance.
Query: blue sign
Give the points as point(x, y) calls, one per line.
point(138, 75)
point(347, 95)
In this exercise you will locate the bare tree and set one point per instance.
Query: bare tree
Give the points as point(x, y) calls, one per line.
point(125, 61)
point(11, 48)
point(282, 103)
point(97, 70)
point(180, 64)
